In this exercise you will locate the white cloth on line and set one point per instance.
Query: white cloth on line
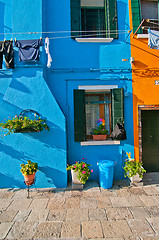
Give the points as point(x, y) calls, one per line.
point(47, 44)
point(153, 39)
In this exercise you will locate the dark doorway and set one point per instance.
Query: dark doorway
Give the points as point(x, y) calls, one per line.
point(150, 140)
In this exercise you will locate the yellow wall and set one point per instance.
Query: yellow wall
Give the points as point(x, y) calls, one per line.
point(145, 70)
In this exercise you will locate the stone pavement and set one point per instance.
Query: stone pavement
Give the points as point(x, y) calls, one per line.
point(120, 213)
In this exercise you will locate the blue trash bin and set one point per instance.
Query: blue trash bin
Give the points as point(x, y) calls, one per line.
point(106, 173)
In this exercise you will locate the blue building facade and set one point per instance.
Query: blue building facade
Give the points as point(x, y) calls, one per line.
point(95, 66)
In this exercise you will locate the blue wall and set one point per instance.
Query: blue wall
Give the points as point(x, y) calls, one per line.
point(25, 87)
point(50, 91)
point(77, 64)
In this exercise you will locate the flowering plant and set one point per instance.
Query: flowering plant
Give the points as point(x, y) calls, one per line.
point(83, 171)
point(133, 167)
point(23, 124)
point(29, 168)
point(100, 130)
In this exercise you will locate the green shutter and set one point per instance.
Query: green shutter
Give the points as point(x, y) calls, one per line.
point(117, 101)
point(75, 17)
point(112, 18)
point(136, 15)
point(79, 116)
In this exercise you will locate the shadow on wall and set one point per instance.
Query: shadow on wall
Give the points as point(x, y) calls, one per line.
point(55, 177)
point(10, 182)
point(8, 150)
point(2, 19)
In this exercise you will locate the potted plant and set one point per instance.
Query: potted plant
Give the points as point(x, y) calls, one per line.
point(100, 133)
point(80, 172)
point(28, 171)
point(133, 169)
point(23, 124)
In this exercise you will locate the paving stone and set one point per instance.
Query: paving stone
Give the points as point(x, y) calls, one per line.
point(48, 230)
point(137, 191)
point(75, 193)
point(139, 212)
point(71, 230)
point(72, 202)
point(5, 203)
point(156, 198)
point(122, 183)
point(119, 202)
point(132, 238)
point(88, 202)
point(8, 215)
point(22, 216)
point(57, 215)
point(118, 228)
point(151, 238)
point(92, 229)
point(154, 222)
point(103, 202)
point(22, 230)
point(20, 193)
point(152, 211)
point(150, 190)
point(140, 227)
point(38, 215)
point(122, 192)
point(39, 204)
point(56, 203)
point(108, 192)
point(118, 213)
point(148, 200)
point(97, 214)
point(91, 186)
point(77, 215)
point(135, 201)
point(4, 229)
point(20, 204)
point(8, 194)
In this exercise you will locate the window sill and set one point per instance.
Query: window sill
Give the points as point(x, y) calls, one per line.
point(95, 40)
point(97, 143)
point(142, 35)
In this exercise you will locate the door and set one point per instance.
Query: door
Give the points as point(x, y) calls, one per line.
point(150, 140)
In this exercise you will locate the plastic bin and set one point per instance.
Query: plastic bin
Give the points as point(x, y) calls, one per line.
point(106, 173)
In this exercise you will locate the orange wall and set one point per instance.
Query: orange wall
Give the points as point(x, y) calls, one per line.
point(145, 70)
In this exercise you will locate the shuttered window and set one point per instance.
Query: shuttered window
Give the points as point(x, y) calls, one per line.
point(136, 15)
point(86, 104)
point(94, 18)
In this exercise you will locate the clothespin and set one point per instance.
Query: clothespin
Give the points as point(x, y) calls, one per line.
point(147, 20)
point(40, 38)
point(11, 40)
point(4, 39)
point(15, 39)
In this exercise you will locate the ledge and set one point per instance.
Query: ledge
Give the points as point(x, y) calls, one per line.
point(142, 35)
point(95, 40)
point(98, 143)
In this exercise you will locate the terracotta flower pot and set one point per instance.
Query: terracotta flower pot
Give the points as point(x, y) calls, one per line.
point(29, 179)
point(99, 137)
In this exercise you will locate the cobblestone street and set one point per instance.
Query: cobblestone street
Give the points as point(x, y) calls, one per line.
point(121, 213)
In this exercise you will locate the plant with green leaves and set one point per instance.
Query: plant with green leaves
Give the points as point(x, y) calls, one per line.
point(100, 130)
point(82, 169)
point(133, 167)
point(29, 168)
point(23, 124)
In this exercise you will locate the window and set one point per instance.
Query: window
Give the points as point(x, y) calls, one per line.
point(145, 9)
point(90, 105)
point(94, 18)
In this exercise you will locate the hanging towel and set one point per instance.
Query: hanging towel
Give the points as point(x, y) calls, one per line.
point(153, 39)
point(28, 49)
point(47, 44)
point(6, 49)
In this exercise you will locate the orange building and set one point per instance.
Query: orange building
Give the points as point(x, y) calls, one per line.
point(145, 83)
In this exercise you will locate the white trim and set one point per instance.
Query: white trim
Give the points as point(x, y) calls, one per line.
point(97, 40)
point(97, 87)
point(142, 35)
point(97, 143)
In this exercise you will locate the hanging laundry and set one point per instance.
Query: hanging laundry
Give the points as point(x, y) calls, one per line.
point(28, 49)
point(6, 49)
point(47, 44)
point(153, 39)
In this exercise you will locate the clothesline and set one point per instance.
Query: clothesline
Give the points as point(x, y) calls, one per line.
point(53, 32)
